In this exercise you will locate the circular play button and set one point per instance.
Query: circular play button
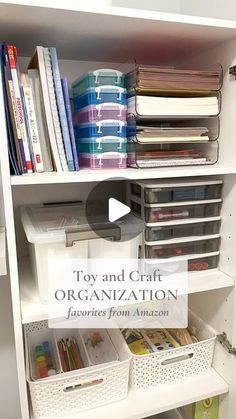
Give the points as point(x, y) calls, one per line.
point(108, 214)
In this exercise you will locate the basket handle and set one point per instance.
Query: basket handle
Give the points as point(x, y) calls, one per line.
point(177, 359)
point(78, 385)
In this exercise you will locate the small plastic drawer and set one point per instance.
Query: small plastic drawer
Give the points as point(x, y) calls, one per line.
point(181, 248)
point(159, 214)
point(99, 346)
point(203, 263)
point(156, 233)
point(101, 129)
point(107, 160)
point(95, 113)
point(186, 193)
point(101, 145)
point(101, 77)
point(98, 95)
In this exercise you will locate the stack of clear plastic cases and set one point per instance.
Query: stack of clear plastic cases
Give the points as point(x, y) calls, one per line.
point(100, 119)
point(182, 219)
point(173, 140)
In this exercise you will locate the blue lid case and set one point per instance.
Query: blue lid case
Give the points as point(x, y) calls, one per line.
point(101, 94)
point(101, 128)
point(98, 145)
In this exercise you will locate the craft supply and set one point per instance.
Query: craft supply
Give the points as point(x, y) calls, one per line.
point(182, 336)
point(69, 354)
point(160, 339)
point(44, 360)
point(136, 342)
point(99, 347)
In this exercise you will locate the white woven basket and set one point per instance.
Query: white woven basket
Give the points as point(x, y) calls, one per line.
point(60, 395)
point(170, 366)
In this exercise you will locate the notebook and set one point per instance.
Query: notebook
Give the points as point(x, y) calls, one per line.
point(173, 106)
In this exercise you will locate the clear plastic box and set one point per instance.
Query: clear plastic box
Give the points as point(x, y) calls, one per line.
point(182, 248)
point(160, 213)
point(101, 77)
point(98, 95)
point(109, 127)
point(177, 190)
point(97, 145)
point(95, 113)
point(156, 233)
point(108, 160)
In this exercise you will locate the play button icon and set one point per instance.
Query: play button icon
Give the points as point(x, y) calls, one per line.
point(116, 210)
point(107, 213)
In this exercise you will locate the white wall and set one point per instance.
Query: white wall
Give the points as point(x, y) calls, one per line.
point(171, 6)
point(216, 9)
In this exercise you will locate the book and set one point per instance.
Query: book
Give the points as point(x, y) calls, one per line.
point(70, 122)
point(37, 63)
point(173, 106)
point(10, 135)
point(12, 55)
point(61, 107)
point(54, 109)
point(35, 84)
point(33, 126)
point(13, 112)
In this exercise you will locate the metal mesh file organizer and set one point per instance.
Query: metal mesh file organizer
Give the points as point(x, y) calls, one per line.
point(173, 116)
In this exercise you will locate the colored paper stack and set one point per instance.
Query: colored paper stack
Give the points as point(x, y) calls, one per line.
point(173, 116)
point(100, 119)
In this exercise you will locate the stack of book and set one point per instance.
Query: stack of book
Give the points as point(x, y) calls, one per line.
point(38, 114)
point(100, 119)
point(173, 116)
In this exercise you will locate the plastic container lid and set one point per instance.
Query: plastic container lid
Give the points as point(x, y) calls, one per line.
point(48, 224)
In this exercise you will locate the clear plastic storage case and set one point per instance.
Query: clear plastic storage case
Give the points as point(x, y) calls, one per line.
point(110, 127)
point(181, 212)
point(97, 145)
point(181, 248)
point(95, 113)
point(108, 160)
point(203, 263)
point(99, 95)
point(176, 191)
point(157, 233)
point(101, 77)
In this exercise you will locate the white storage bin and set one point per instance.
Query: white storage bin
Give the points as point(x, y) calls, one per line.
point(75, 391)
point(45, 228)
point(61, 232)
point(169, 366)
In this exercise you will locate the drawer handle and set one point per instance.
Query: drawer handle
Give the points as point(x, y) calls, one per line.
point(177, 359)
point(81, 386)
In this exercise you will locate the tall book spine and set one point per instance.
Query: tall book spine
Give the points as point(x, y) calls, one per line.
point(34, 82)
point(70, 123)
point(10, 134)
point(13, 112)
point(19, 106)
point(54, 110)
point(33, 128)
point(61, 108)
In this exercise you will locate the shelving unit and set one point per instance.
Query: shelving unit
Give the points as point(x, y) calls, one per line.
point(139, 404)
point(3, 264)
point(114, 35)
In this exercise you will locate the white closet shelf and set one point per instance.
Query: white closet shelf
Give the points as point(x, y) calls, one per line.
point(33, 310)
point(117, 30)
point(89, 175)
point(3, 265)
point(140, 404)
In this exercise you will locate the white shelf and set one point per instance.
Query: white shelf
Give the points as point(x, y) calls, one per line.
point(33, 310)
point(116, 30)
point(3, 265)
point(89, 175)
point(140, 404)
